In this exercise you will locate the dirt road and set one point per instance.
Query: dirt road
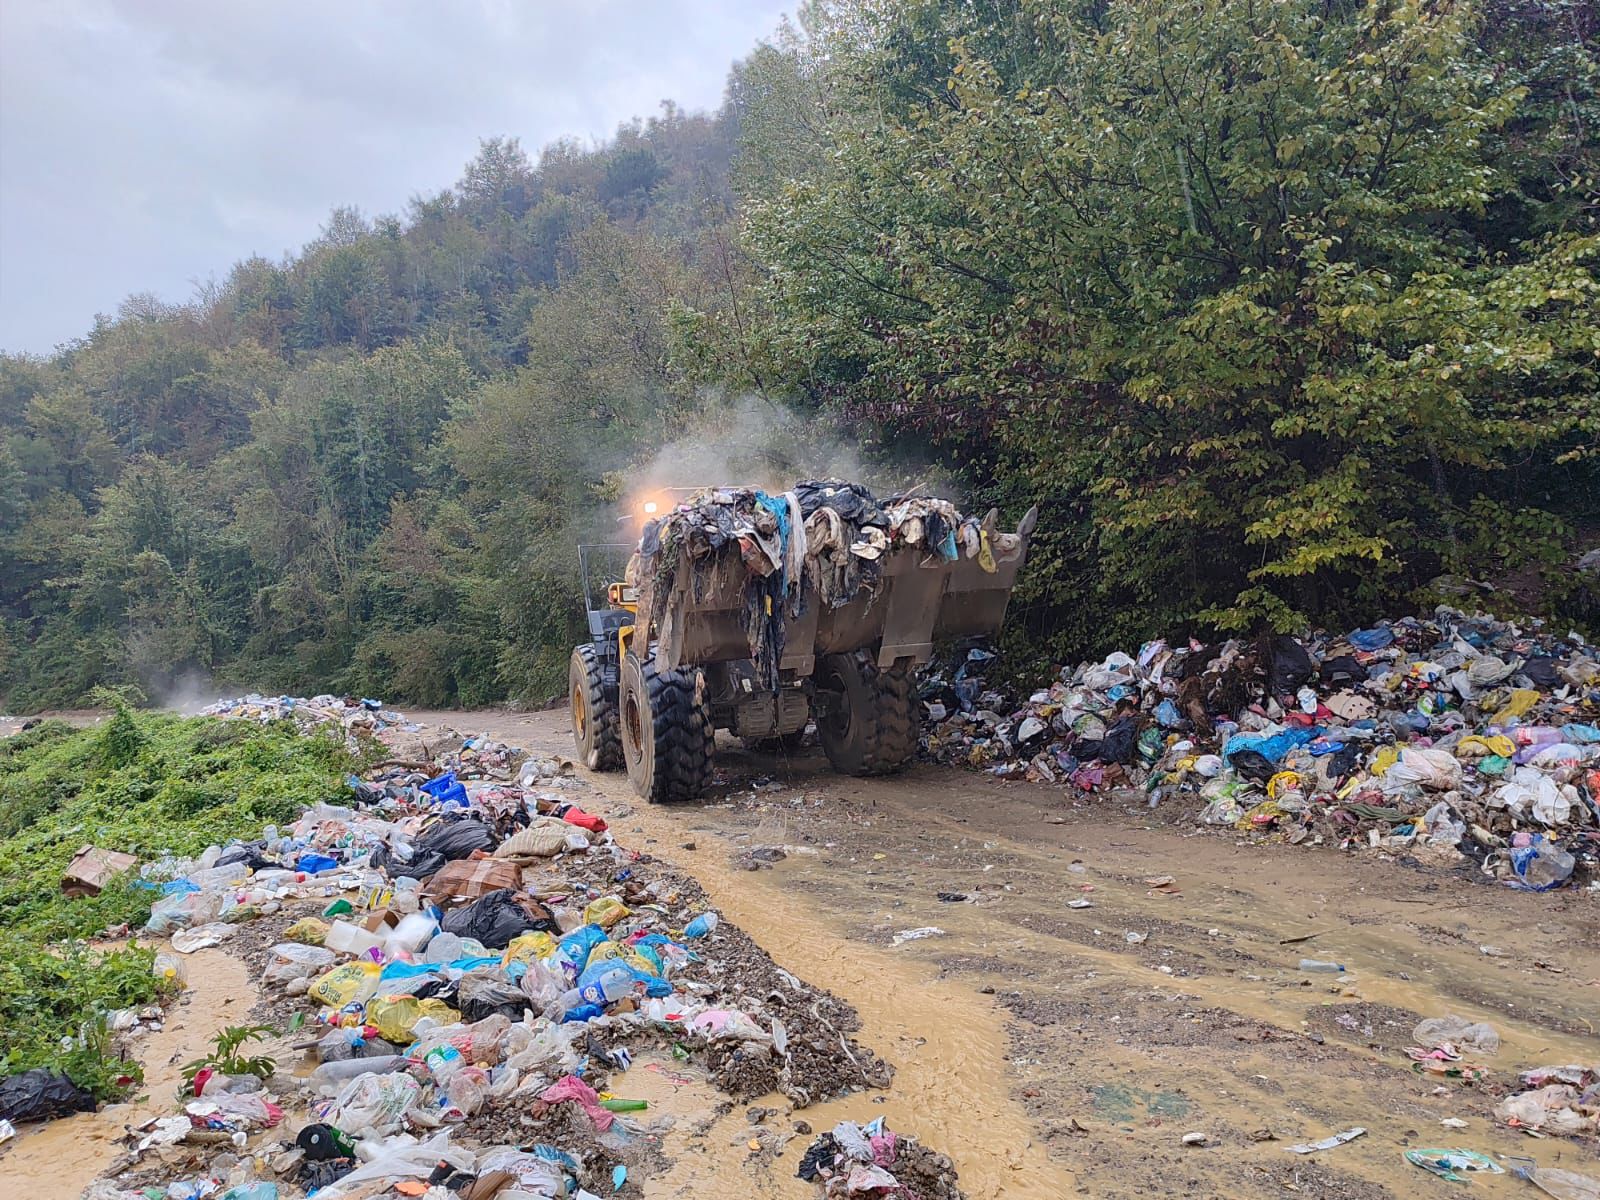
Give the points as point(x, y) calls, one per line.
point(1054, 1050)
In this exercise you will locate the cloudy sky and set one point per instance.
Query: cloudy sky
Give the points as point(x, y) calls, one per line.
point(149, 144)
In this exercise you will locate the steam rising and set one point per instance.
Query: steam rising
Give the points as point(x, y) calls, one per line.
point(752, 442)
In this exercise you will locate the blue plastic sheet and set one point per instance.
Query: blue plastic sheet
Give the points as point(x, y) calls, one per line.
point(1272, 748)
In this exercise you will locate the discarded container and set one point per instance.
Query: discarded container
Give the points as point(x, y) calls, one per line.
point(92, 868)
point(1321, 966)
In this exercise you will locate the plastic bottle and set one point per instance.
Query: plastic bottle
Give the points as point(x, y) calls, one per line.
point(349, 1068)
point(1317, 964)
point(170, 967)
point(701, 925)
point(443, 1062)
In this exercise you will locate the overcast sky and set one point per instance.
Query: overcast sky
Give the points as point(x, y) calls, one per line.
point(148, 144)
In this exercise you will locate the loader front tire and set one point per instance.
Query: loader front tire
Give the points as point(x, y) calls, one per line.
point(870, 727)
point(594, 714)
point(667, 734)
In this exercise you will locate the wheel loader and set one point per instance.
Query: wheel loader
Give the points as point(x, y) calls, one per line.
point(649, 694)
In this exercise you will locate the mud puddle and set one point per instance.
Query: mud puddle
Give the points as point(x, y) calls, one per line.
point(57, 1160)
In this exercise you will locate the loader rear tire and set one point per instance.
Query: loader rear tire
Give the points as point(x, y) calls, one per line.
point(871, 725)
point(594, 714)
point(667, 734)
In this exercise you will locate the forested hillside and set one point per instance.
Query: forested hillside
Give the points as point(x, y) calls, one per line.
point(1283, 312)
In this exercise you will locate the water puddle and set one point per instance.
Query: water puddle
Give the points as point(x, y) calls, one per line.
point(57, 1160)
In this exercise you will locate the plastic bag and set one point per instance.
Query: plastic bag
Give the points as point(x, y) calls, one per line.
point(310, 930)
point(446, 842)
point(1473, 1037)
point(495, 919)
point(466, 1092)
point(605, 912)
point(182, 909)
point(348, 984)
point(1443, 829)
point(1436, 770)
point(39, 1095)
point(372, 1104)
point(574, 949)
point(1540, 866)
point(528, 946)
point(398, 1158)
point(483, 995)
point(395, 1016)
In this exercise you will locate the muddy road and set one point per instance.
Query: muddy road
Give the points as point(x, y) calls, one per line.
point(1058, 1050)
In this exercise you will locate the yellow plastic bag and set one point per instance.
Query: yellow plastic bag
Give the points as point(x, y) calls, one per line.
point(396, 1016)
point(605, 912)
point(1283, 781)
point(1522, 699)
point(639, 962)
point(1385, 759)
point(1488, 745)
point(603, 951)
point(346, 984)
point(309, 930)
point(526, 947)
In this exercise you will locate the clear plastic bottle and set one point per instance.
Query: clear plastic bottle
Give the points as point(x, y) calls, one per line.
point(1318, 965)
point(443, 1062)
point(607, 987)
point(339, 1071)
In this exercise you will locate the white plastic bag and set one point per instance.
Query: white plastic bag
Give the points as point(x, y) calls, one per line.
point(373, 1104)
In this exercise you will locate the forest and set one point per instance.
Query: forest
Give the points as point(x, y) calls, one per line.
point(1285, 314)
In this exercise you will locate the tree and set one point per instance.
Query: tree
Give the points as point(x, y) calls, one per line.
point(1212, 276)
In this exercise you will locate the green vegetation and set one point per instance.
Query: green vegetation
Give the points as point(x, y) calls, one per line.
point(225, 1058)
point(147, 785)
point(1283, 312)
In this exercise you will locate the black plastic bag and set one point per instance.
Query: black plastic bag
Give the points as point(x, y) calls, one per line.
point(1541, 672)
point(1290, 664)
point(1252, 764)
point(1116, 747)
point(250, 854)
point(444, 843)
point(39, 1095)
point(1343, 669)
point(480, 996)
point(494, 919)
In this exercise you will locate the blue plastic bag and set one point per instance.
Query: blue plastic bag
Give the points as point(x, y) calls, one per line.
point(315, 864)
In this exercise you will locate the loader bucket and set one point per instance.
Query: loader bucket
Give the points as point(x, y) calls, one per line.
point(921, 599)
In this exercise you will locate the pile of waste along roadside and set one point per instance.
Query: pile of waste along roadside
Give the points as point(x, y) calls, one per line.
point(358, 718)
point(829, 533)
point(1456, 737)
point(483, 965)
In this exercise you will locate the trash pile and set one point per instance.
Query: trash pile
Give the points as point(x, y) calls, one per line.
point(826, 537)
point(1451, 736)
point(869, 1160)
point(355, 717)
point(482, 966)
point(1564, 1101)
